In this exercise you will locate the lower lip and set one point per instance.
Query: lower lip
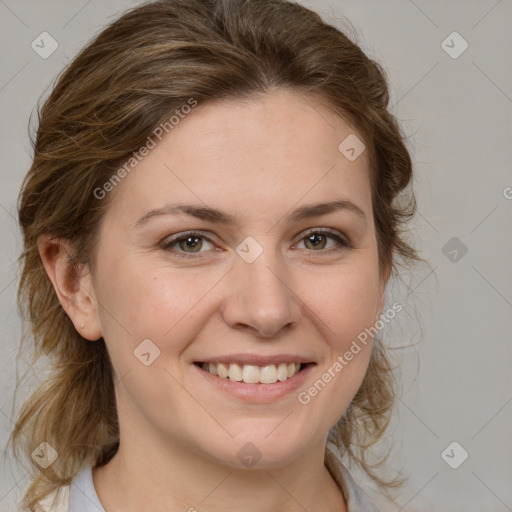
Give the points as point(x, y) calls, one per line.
point(256, 393)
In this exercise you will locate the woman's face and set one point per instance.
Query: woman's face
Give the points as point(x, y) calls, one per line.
point(264, 281)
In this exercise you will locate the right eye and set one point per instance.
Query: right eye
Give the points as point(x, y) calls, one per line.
point(184, 241)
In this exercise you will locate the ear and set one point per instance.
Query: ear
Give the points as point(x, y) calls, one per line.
point(73, 285)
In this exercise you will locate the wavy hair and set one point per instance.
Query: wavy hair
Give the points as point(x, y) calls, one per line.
point(123, 84)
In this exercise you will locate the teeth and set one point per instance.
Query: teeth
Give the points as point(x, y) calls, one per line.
point(252, 374)
point(222, 369)
point(282, 372)
point(292, 370)
point(235, 372)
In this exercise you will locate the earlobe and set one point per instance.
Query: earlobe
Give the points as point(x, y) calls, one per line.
point(72, 284)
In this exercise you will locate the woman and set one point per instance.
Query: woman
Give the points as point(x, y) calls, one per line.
point(210, 221)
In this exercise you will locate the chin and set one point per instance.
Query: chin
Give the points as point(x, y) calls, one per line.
point(261, 451)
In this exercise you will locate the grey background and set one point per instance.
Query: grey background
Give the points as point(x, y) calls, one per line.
point(456, 380)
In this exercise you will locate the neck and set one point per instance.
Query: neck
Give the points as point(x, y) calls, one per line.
point(142, 476)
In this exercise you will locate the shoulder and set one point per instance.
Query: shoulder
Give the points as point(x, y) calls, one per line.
point(357, 500)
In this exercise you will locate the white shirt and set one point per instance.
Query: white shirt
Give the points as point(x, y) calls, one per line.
point(81, 496)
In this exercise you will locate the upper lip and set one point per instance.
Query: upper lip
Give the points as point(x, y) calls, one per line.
point(257, 359)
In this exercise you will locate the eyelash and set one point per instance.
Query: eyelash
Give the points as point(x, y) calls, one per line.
point(168, 243)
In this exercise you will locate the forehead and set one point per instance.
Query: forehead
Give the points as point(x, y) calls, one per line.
point(295, 123)
point(279, 148)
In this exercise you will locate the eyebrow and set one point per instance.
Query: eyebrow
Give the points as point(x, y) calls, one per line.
point(220, 217)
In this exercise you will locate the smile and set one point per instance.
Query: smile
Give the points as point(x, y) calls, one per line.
point(254, 378)
point(252, 374)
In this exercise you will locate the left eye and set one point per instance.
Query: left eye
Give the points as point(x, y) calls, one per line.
point(319, 238)
point(193, 242)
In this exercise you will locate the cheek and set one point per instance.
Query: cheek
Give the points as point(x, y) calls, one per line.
point(346, 302)
point(346, 305)
point(142, 302)
point(139, 303)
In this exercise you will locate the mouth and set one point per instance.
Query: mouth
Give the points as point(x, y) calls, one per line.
point(254, 374)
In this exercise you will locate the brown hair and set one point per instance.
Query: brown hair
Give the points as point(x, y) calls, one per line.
point(109, 99)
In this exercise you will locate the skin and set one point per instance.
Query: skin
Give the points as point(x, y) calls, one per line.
point(257, 159)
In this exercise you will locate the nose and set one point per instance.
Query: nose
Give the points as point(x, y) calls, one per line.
point(260, 297)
